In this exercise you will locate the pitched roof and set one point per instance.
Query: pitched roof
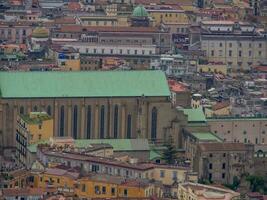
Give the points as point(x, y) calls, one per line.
point(83, 84)
point(195, 115)
point(117, 144)
point(206, 136)
point(221, 105)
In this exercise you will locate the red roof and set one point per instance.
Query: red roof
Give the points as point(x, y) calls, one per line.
point(74, 6)
point(176, 86)
point(262, 68)
point(220, 105)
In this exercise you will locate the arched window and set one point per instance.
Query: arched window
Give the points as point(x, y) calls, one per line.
point(154, 118)
point(75, 121)
point(102, 122)
point(129, 126)
point(62, 121)
point(21, 110)
point(88, 126)
point(116, 116)
point(48, 110)
point(35, 109)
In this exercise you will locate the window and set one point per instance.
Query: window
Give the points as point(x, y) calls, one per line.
point(245, 140)
point(260, 45)
point(88, 123)
point(103, 51)
point(48, 110)
point(58, 180)
point(223, 175)
point(111, 51)
point(240, 53)
point(249, 45)
point(210, 166)
point(256, 140)
point(174, 175)
point(220, 44)
point(210, 176)
point(128, 51)
point(230, 53)
point(262, 140)
point(103, 190)
point(223, 166)
point(75, 122)
point(259, 53)
point(21, 110)
point(83, 187)
point(41, 179)
point(249, 53)
point(135, 51)
point(102, 122)
point(154, 118)
point(120, 51)
point(230, 44)
point(35, 108)
point(210, 155)
point(125, 192)
point(240, 44)
point(113, 191)
point(97, 189)
point(115, 125)
point(212, 53)
point(129, 126)
point(162, 173)
point(62, 121)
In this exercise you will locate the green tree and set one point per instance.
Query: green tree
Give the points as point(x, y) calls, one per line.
point(169, 153)
point(257, 183)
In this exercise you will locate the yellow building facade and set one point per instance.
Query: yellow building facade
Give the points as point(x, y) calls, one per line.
point(213, 68)
point(32, 128)
point(93, 186)
point(168, 16)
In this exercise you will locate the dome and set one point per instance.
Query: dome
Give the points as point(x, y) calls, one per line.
point(140, 11)
point(40, 32)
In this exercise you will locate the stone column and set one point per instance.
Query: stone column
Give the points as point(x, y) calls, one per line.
point(56, 121)
point(123, 113)
point(96, 118)
point(29, 107)
point(4, 126)
point(82, 129)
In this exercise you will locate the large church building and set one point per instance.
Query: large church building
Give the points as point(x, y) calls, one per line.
point(119, 104)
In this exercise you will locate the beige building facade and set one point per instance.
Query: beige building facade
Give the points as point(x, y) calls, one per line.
point(240, 130)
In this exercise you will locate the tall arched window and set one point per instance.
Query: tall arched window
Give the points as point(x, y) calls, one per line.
point(75, 122)
point(116, 116)
point(102, 122)
point(62, 121)
point(35, 109)
point(88, 123)
point(48, 110)
point(21, 110)
point(129, 126)
point(154, 118)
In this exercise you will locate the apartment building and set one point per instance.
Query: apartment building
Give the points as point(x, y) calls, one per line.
point(221, 162)
point(238, 45)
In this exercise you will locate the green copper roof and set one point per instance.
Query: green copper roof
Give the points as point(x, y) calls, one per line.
point(195, 115)
point(83, 84)
point(117, 144)
point(140, 11)
point(206, 136)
